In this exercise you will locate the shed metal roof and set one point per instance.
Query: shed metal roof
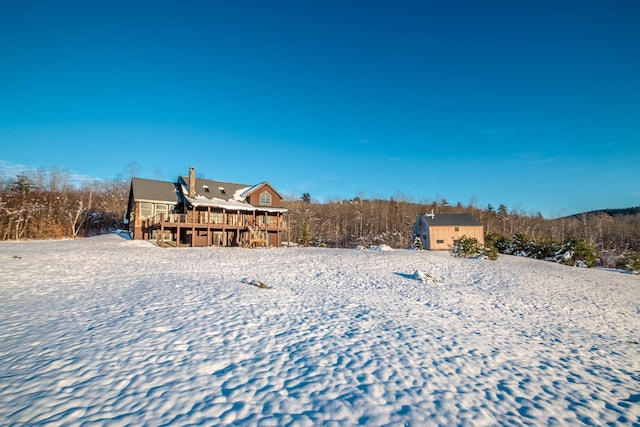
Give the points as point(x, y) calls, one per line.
point(450, 220)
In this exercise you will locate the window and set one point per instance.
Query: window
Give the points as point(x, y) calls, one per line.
point(439, 241)
point(456, 228)
point(206, 188)
point(265, 199)
point(146, 210)
point(162, 209)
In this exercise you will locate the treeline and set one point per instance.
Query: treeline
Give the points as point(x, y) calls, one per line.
point(49, 205)
point(362, 222)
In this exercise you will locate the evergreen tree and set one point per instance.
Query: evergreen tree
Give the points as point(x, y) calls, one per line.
point(465, 247)
point(23, 185)
point(305, 235)
point(490, 252)
point(630, 261)
point(417, 244)
point(579, 253)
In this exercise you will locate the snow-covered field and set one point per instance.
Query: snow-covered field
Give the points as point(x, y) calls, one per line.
point(108, 331)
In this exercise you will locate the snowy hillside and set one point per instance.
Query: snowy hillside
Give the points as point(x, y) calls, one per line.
point(106, 330)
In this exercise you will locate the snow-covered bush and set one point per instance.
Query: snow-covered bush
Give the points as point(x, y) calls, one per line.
point(630, 261)
point(498, 241)
point(577, 252)
point(520, 245)
point(417, 244)
point(466, 247)
point(544, 248)
point(490, 252)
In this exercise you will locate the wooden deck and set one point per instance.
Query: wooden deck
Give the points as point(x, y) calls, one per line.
point(217, 229)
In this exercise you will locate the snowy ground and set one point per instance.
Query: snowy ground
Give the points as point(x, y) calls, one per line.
point(106, 330)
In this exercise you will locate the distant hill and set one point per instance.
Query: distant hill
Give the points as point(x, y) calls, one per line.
point(611, 212)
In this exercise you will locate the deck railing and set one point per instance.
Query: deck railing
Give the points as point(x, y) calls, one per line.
point(216, 218)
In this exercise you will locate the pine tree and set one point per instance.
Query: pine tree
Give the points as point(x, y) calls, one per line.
point(465, 247)
point(417, 244)
point(305, 236)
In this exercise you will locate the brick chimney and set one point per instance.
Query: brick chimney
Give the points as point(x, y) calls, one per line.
point(192, 182)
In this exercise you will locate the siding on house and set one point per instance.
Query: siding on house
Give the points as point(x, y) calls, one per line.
point(148, 198)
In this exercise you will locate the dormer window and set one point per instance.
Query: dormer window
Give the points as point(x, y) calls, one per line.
point(222, 190)
point(265, 198)
point(206, 188)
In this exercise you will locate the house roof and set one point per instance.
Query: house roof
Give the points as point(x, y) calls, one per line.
point(150, 190)
point(450, 220)
point(250, 190)
point(216, 189)
point(221, 194)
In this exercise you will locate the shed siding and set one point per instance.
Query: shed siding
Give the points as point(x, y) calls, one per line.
point(441, 238)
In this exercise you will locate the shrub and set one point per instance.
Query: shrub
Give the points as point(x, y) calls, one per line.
point(465, 247)
point(630, 261)
point(490, 252)
point(519, 245)
point(577, 252)
point(497, 241)
point(544, 248)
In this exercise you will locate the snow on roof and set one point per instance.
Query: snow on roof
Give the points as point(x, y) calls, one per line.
point(216, 202)
point(241, 193)
point(226, 204)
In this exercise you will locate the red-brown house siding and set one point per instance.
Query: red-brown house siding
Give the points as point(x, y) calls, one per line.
point(254, 197)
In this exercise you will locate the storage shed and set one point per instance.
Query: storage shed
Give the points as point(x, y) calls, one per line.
point(437, 232)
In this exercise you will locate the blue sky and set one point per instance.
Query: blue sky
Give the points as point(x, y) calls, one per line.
point(531, 104)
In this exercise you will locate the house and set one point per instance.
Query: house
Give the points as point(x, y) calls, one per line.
point(438, 231)
point(198, 212)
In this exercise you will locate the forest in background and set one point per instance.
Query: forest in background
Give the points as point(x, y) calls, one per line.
point(49, 205)
point(364, 222)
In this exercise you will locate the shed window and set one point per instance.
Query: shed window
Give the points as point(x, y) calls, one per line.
point(265, 198)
